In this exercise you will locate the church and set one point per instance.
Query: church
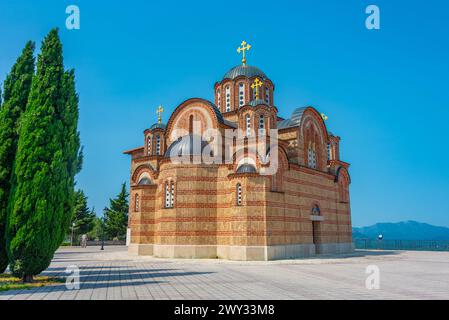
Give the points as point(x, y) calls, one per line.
point(231, 179)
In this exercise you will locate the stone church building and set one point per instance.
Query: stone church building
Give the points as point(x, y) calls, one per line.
point(232, 210)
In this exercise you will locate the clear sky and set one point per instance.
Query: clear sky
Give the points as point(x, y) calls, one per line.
point(386, 91)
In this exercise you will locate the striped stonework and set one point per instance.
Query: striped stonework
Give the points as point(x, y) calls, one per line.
point(200, 210)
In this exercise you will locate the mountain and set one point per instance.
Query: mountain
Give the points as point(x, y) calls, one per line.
point(407, 230)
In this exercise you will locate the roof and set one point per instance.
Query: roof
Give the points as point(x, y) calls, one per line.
point(230, 123)
point(246, 168)
point(190, 145)
point(294, 121)
point(145, 182)
point(132, 150)
point(246, 71)
point(158, 126)
point(217, 112)
point(257, 102)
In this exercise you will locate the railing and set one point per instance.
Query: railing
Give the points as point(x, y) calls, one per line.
point(423, 245)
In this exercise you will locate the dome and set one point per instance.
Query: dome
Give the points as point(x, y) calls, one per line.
point(257, 102)
point(246, 71)
point(145, 182)
point(158, 126)
point(191, 145)
point(246, 168)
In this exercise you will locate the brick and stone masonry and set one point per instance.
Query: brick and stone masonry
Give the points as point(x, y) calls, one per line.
point(231, 210)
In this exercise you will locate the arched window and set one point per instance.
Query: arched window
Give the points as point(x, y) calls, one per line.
point(248, 125)
point(158, 145)
point(311, 155)
point(241, 94)
point(149, 145)
point(191, 124)
point(228, 99)
point(136, 202)
point(329, 151)
point(239, 194)
point(219, 99)
point(267, 95)
point(169, 194)
point(172, 195)
point(261, 124)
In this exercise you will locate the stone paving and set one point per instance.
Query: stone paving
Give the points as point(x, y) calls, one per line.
point(112, 274)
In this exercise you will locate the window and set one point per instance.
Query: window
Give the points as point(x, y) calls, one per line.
point(267, 95)
point(169, 194)
point(172, 195)
point(241, 94)
point(149, 145)
point(329, 151)
point(228, 99)
point(191, 124)
point(311, 156)
point(136, 202)
point(219, 99)
point(261, 124)
point(239, 194)
point(248, 125)
point(158, 145)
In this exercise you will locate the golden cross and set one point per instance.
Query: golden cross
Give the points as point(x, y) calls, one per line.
point(325, 118)
point(159, 111)
point(256, 84)
point(244, 47)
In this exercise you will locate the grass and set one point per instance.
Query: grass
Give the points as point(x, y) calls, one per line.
point(8, 282)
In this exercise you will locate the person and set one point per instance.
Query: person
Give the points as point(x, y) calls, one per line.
point(84, 241)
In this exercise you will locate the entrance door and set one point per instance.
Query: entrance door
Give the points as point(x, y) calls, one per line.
point(315, 235)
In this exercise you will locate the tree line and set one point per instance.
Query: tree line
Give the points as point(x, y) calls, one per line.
point(40, 155)
point(113, 224)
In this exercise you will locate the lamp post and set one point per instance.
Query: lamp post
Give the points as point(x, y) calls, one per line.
point(71, 238)
point(102, 233)
point(379, 239)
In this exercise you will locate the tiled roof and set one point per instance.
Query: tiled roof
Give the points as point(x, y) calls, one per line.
point(246, 71)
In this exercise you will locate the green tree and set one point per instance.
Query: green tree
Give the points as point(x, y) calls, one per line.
point(47, 159)
point(16, 91)
point(83, 218)
point(116, 216)
point(97, 229)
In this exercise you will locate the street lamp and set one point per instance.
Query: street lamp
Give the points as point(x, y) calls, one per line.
point(71, 238)
point(102, 233)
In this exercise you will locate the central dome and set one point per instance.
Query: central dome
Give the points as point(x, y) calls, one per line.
point(246, 71)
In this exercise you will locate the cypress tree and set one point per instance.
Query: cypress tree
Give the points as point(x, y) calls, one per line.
point(16, 90)
point(116, 216)
point(47, 159)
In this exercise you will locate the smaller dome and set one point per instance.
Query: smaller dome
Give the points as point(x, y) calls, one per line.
point(246, 71)
point(257, 102)
point(145, 182)
point(158, 126)
point(246, 168)
point(191, 145)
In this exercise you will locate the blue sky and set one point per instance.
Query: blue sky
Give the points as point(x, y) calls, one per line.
point(385, 91)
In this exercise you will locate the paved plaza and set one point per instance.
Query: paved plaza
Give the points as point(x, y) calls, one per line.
point(113, 274)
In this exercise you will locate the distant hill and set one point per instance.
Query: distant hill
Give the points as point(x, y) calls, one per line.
point(408, 230)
